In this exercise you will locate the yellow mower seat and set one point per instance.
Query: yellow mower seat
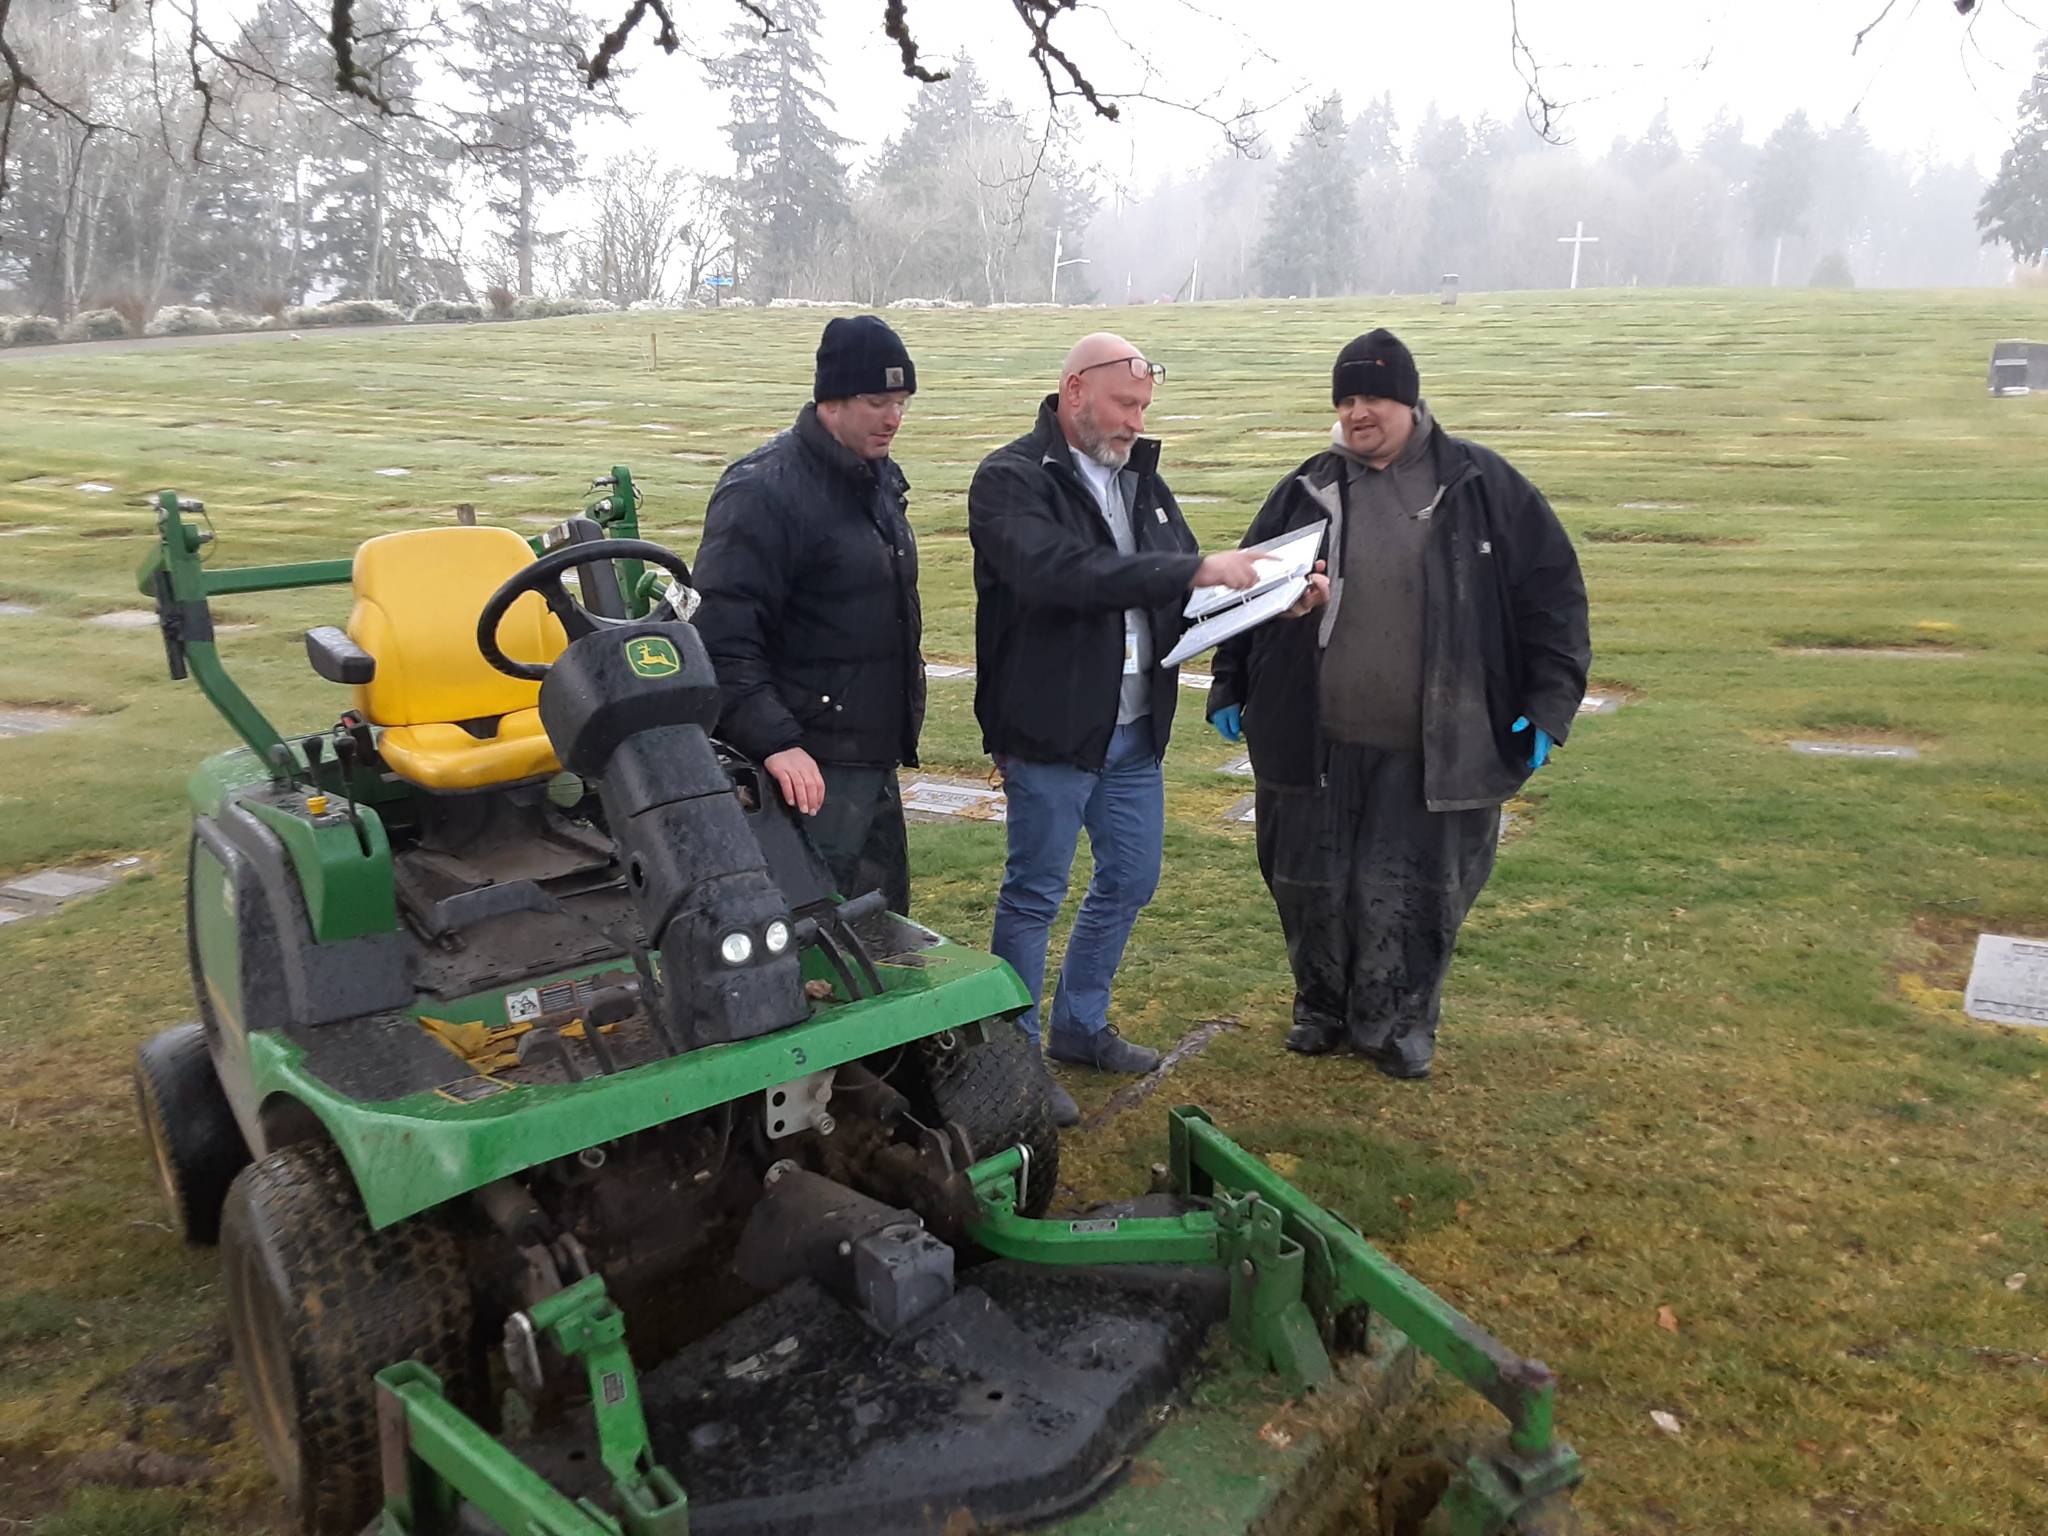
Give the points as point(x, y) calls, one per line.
point(451, 720)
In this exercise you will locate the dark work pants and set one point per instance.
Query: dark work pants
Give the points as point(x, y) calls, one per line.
point(1372, 887)
point(859, 830)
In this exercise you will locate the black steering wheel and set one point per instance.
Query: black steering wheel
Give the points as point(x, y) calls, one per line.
point(545, 577)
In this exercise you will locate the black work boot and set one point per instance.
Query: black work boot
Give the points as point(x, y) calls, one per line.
point(1105, 1051)
point(1065, 1112)
point(1311, 1039)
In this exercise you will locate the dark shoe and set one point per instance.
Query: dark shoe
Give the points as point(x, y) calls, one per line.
point(1398, 1067)
point(1065, 1112)
point(1314, 1039)
point(1105, 1051)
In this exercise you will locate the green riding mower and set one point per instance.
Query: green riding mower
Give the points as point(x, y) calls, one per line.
point(531, 1029)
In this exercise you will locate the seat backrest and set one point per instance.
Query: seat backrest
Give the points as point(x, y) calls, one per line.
point(418, 597)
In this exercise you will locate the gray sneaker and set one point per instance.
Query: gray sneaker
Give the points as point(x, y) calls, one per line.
point(1105, 1051)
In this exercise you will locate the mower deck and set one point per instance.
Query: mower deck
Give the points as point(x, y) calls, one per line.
point(1016, 1401)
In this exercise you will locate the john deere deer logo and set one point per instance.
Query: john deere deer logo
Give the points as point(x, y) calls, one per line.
point(652, 656)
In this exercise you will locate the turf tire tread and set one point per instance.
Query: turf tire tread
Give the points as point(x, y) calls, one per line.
point(356, 1301)
point(997, 1089)
point(179, 1098)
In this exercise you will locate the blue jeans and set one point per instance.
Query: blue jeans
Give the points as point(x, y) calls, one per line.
point(1124, 809)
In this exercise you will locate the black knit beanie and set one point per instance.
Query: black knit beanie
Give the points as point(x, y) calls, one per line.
point(1376, 364)
point(860, 355)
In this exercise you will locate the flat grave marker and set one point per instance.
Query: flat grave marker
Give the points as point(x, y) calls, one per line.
point(1238, 767)
point(2008, 981)
point(125, 618)
point(1886, 652)
point(946, 669)
point(928, 799)
point(32, 722)
point(1875, 749)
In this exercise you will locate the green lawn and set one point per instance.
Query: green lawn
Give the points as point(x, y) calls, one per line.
point(1703, 1049)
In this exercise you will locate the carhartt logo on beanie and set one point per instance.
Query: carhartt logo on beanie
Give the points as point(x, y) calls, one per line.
point(1376, 364)
point(860, 355)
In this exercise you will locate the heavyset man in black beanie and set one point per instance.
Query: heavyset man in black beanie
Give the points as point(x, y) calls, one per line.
point(808, 571)
point(1387, 726)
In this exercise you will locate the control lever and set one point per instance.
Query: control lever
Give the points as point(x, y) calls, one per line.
point(315, 748)
point(281, 764)
point(345, 760)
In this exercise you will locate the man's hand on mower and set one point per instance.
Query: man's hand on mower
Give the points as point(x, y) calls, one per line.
point(1318, 593)
point(796, 772)
point(1234, 568)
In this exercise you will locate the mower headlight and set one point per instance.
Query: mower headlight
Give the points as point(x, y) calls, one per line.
point(737, 948)
point(777, 936)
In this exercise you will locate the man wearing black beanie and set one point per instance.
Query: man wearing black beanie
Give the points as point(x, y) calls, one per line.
point(808, 571)
point(1387, 726)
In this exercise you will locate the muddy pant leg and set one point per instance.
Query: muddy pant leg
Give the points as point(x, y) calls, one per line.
point(885, 856)
point(1300, 856)
point(859, 831)
point(1414, 875)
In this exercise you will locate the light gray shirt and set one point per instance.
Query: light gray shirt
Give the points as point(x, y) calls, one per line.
point(1113, 496)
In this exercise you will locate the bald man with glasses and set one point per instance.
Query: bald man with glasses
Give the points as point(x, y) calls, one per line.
point(1082, 566)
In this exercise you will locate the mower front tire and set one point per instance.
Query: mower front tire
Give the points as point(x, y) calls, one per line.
point(317, 1304)
point(193, 1138)
point(998, 1091)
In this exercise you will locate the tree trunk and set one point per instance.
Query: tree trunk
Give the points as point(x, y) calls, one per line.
point(525, 229)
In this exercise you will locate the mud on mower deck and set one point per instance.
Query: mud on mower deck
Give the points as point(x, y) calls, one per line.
point(1014, 1401)
point(876, 1390)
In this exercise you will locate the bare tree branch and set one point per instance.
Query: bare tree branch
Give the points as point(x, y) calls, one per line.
point(1038, 17)
point(897, 27)
point(1545, 114)
point(599, 65)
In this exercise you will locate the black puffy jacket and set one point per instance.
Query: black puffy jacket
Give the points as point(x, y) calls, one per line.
point(1504, 631)
point(1050, 591)
point(808, 570)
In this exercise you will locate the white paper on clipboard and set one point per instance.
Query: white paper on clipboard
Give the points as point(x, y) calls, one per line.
point(1283, 567)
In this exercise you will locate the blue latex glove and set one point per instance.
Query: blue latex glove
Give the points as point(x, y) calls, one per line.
point(1539, 752)
point(1229, 722)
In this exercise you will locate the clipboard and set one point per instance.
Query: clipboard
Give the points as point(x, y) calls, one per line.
point(1284, 567)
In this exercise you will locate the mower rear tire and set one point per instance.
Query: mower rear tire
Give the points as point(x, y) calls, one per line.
point(997, 1089)
point(317, 1304)
point(193, 1138)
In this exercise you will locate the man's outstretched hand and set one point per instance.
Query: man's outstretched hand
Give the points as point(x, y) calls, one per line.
point(1234, 568)
point(796, 774)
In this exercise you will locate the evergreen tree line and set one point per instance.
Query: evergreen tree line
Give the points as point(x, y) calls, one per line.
point(275, 191)
point(1359, 204)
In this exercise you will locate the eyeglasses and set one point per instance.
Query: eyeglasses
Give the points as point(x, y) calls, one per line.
point(1141, 368)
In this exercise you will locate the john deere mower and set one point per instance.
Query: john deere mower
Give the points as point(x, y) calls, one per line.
point(582, 1163)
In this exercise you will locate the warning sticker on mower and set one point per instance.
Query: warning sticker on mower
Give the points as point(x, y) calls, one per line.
point(522, 1007)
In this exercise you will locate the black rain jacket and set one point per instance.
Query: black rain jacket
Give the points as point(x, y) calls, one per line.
point(808, 571)
point(1505, 630)
point(1051, 588)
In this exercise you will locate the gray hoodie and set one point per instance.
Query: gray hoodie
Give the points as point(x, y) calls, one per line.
point(1372, 658)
